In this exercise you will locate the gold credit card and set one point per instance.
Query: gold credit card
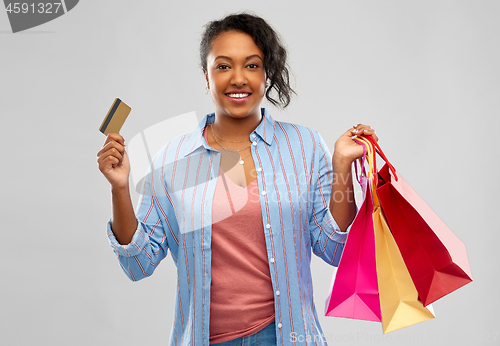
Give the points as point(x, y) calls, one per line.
point(115, 118)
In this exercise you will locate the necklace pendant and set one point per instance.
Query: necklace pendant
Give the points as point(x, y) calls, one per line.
point(242, 162)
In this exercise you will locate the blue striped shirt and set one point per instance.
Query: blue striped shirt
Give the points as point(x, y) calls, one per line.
point(294, 176)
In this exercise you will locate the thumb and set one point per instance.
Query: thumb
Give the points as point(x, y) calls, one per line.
point(350, 133)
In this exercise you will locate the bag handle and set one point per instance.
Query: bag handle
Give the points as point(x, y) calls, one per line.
point(361, 162)
point(382, 155)
point(370, 156)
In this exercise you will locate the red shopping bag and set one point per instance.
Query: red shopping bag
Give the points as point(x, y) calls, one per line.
point(354, 288)
point(435, 257)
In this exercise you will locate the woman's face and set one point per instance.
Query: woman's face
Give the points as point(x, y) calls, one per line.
point(235, 75)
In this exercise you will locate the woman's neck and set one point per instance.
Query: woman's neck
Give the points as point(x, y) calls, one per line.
point(235, 129)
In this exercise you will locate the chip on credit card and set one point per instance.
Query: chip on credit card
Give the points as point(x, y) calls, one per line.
point(115, 118)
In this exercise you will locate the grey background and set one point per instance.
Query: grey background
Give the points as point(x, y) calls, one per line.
point(424, 74)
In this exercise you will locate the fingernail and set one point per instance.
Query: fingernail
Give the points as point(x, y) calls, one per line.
point(124, 143)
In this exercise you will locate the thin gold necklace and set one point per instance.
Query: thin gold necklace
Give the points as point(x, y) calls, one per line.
point(227, 140)
point(242, 159)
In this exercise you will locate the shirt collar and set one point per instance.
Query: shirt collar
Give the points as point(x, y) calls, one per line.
point(195, 139)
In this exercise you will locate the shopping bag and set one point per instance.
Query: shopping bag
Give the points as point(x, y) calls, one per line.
point(435, 258)
point(399, 302)
point(354, 288)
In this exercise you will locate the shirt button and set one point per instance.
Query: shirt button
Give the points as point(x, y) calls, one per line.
point(259, 169)
point(277, 293)
point(268, 226)
point(263, 193)
point(254, 143)
point(272, 260)
point(279, 325)
point(253, 135)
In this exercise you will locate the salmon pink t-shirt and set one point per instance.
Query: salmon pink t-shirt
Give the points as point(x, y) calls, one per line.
point(241, 296)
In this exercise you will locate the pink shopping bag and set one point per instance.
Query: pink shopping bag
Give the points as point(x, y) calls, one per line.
point(354, 289)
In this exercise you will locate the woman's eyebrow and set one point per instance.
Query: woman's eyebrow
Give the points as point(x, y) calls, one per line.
point(253, 56)
point(247, 58)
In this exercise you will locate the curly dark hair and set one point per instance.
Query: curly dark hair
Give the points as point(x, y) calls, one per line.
point(266, 39)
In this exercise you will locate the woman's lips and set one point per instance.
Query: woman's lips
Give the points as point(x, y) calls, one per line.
point(238, 97)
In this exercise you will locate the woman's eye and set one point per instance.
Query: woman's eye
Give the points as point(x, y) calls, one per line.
point(222, 67)
point(253, 66)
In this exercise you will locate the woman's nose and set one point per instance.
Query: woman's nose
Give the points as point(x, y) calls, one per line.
point(238, 77)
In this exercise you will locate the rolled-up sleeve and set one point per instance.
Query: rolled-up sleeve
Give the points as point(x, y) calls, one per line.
point(326, 238)
point(138, 242)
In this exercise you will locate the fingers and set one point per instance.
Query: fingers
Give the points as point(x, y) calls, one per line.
point(113, 147)
point(363, 130)
point(112, 152)
point(113, 141)
point(115, 137)
point(109, 160)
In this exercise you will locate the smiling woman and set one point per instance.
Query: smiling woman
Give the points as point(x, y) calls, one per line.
point(242, 234)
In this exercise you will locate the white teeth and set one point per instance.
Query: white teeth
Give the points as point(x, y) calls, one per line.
point(237, 96)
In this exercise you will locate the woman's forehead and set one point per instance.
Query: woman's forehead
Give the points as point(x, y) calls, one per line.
point(234, 45)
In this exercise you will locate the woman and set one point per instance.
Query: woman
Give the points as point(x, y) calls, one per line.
point(240, 201)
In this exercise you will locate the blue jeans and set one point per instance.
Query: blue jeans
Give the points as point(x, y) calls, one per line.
point(264, 337)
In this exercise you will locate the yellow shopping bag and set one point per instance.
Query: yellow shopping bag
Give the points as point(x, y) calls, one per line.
point(399, 302)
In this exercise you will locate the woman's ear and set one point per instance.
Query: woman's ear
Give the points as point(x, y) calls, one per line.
point(207, 88)
point(206, 75)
